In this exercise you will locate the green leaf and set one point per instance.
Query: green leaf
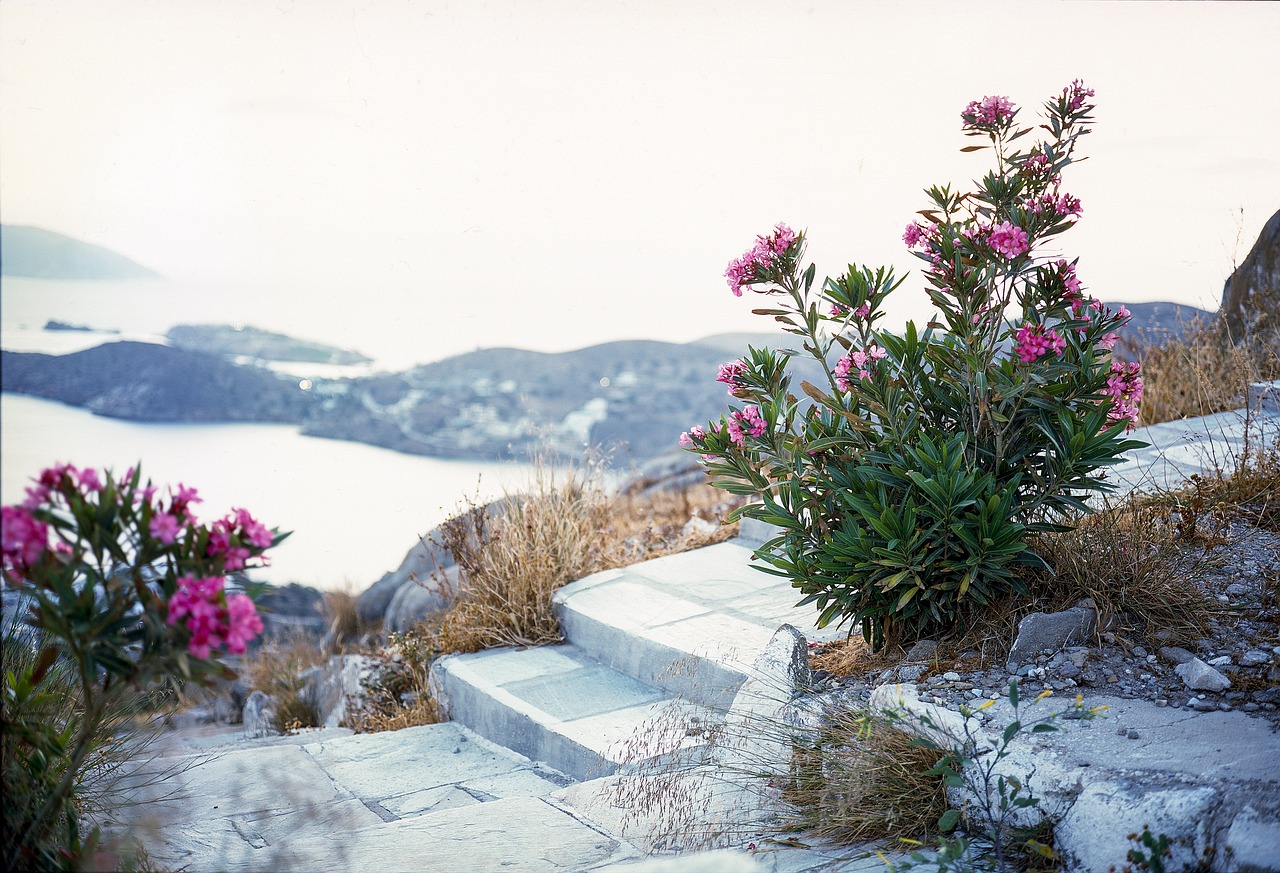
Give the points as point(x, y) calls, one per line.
point(948, 820)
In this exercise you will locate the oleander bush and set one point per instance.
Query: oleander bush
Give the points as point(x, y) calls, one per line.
point(907, 485)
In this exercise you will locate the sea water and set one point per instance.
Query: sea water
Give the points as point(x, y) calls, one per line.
point(354, 509)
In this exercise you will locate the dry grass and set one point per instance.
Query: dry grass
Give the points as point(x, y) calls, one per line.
point(345, 627)
point(1202, 372)
point(853, 656)
point(565, 528)
point(401, 699)
point(864, 779)
point(275, 667)
point(1131, 561)
point(511, 565)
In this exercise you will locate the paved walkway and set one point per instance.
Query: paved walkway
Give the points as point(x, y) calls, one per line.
point(681, 631)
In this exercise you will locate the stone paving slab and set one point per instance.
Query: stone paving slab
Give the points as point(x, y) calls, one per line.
point(576, 717)
point(251, 806)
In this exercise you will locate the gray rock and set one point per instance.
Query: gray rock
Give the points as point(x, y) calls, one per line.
point(260, 715)
point(228, 707)
point(1254, 658)
point(1176, 655)
point(1199, 676)
point(415, 600)
point(1049, 632)
point(924, 650)
point(336, 689)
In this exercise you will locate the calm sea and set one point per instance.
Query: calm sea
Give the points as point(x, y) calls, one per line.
point(354, 510)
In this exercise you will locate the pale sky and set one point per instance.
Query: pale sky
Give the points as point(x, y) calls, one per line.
point(555, 174)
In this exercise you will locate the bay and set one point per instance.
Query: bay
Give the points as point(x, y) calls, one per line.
point(354, 510)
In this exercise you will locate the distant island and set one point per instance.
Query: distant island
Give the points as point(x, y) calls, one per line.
point(55, 325)
point(250, 342)
point(636, 396)
point(36, 253)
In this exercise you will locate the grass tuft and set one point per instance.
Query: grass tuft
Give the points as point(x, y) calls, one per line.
point(863, 779)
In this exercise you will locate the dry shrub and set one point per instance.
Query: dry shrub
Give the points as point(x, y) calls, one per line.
point(276, 667)
point(511, 565)
point(1202, 372)
point(863, 779)
point(1133, 560)
point(345, 627)
point(565, 528)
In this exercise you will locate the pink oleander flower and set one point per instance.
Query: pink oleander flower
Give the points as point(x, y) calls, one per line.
point(251, 530)
point(235, 557)
point(731, 375)
point(746, 422)
point(1008, 239)
point(1108, 341)
point(88, 479)
point(36, 497)
point(913, 234)
point(1075, 93)
point(243, 623)
point(693, 437)
point(198, 601)
point(756, 262)
point(989, 112)
point(1033, 341)
point(861, 361)
point(838, 310)
point(1124, 387)
point(863, 311)
point(23, 540)
point(164, 527)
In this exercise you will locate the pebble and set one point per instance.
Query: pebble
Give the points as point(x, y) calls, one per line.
point(1254, 658)
point(1139, 652)
point(1220, 661)
point(951, 676)
point(1201, 705)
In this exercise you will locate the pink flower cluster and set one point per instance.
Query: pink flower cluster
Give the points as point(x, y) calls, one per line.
point(757, 260)
point(748, 421)
point(1033, 340)
point(1124, 387)
point(1075, 93)
point(913, 234)
point(1008, 239)
point(731, 375)
point(1056, 204)
point(238, 527)
point(213, 619)
point(24, 539)
point(863, 361)
point(988, 112)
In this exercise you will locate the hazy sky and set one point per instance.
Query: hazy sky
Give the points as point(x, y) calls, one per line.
point(553, 174)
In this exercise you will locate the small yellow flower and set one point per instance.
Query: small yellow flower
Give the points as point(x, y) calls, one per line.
point(985, 705)
point(1042, 695)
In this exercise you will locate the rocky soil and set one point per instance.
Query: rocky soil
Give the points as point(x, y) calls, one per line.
point(1235, 667)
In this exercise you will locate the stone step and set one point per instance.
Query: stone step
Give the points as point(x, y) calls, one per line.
point(691, 624)
point(553, 704)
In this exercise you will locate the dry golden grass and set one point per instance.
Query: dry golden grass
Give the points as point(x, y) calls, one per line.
point(565, 528)
point(852, 656)
point(863, 779)
point(275, 667)
point(1129, 559)
point(344, 620)
point(402, 698)
point(1202, 372)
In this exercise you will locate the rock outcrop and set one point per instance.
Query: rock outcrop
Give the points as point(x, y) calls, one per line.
point(1251, 296)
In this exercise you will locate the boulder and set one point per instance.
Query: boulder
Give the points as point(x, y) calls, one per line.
point(260, 715)
point(415, 600)
point(1199, 676)
point(337, 688)
point(1251, 296)
point(1049, 632)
